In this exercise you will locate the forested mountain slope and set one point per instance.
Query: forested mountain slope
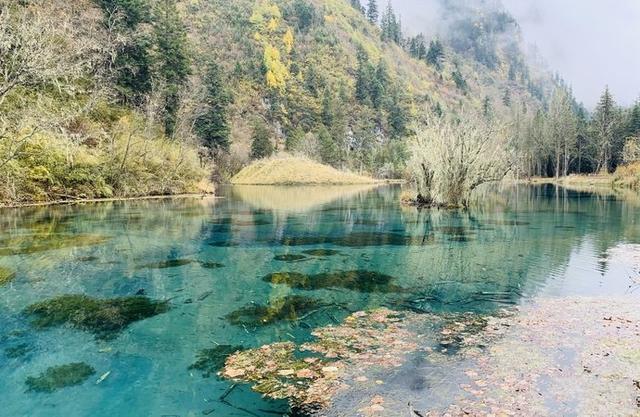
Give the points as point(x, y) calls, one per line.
point(106, 98)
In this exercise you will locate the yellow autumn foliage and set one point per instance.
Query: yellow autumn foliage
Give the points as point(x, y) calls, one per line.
point(277, 72)
point(288, 41)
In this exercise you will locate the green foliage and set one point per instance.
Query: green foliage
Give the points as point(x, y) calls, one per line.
point(459, 80)
point(212, 126)
point(294, 140)
point(390, 26)
point(305, 15)
point(58, 377)
point(417, 47)
point(261, 146)
point(172, 59)
point(329, 152)
point(372, 11)
point(435, 55)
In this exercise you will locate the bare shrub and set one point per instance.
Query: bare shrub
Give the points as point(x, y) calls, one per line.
point(451, 158)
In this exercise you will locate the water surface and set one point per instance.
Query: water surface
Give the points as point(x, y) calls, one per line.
point(267, 264)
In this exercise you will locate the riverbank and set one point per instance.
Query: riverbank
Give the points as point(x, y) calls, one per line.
point(107, 200)
point(626, 176)
point(290, 170)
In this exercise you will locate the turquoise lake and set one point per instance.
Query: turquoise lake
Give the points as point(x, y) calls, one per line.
point(338, 249)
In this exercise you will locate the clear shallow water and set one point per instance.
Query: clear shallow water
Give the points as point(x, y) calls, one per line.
point(523, 243)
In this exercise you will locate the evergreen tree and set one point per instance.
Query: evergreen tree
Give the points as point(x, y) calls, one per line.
point(328, 112)
point(603, 125)
point(132, 64)
point(418, 47)
point(506, 98)
point(363, 77)
point(212, 126)
point(171, 55)
point(328, 149)
point(261, 146)
point(294, 140)
point(379, 85)
point(305, 14)
point(458, 78)
point(372, 11)
point(435, 55)
point(487, 109)
point(398, 116)
point(357, 5)
point(633, 127)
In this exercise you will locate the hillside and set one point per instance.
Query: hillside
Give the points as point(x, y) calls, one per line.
point(286, 170)
point(136, 97)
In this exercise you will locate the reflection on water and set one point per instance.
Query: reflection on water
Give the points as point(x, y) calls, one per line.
point(267, 264)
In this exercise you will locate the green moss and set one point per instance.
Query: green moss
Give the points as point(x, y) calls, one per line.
point(6, 275)
point(104, 318)
point(286, 308)
point(210, 361)
point(289, 257)
point(58, 377)
point(357, 280)
point(321, 252)
point(170, 263)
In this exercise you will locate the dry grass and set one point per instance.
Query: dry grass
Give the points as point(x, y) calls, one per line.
point(628, 176)
point(289, 170)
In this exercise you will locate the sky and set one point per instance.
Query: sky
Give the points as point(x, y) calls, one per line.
point(591, 43)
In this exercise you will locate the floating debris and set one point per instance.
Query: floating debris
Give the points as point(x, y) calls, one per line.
point(210, 361)
point(280, 370)
point(321, 252)
point(290, 257)
point(286, 308)
point(58, 377)
point(6, 275)
point(357, 280)
point(104, 318)
point(103, 377)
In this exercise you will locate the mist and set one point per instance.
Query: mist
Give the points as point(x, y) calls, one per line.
point(590, 43)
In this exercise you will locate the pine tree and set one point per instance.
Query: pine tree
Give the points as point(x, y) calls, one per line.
point(487, 109)
point(398, 117)
point(212, 126)
point(363, 77)
point(417, 47)
point(261, 146)
point(633, 128)
point(328, 149)
point(328, 112)
point(132, 64)
point(603, 125)
point(357, 5)
point(379, 85)
point(294, 139)
point(435, 55)
point(173, 62)
point(506, 98)
point(372, 11)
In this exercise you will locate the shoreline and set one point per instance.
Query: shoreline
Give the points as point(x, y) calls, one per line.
point(105, 200)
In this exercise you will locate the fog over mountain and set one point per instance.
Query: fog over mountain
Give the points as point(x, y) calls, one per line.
point(591, 43)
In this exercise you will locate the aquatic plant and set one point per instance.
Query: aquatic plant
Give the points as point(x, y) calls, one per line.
point(17, 351)
point(362, 239)
point(25, 245)
point(105, 318)
point(6, 275)
point(211, 265)
point(57, 377)
point(169, 263)
point(210, 361)
point(289, 257)
point(285, 308)
point(357, 280)
point(321, 252)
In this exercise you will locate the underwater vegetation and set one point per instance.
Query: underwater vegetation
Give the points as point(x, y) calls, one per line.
point(58, 377)
point(175, 263)
point(6, 275)
point(289, 257)
point(285, 308)
point(357, 280)
point(321, 252)
point(34, 243)
point(354, 240)
point(507, 222)
point(105, 318)
point(210, 361)
point(169, 263)
point(240, 223)
point(17, 351)
point(211, 265)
